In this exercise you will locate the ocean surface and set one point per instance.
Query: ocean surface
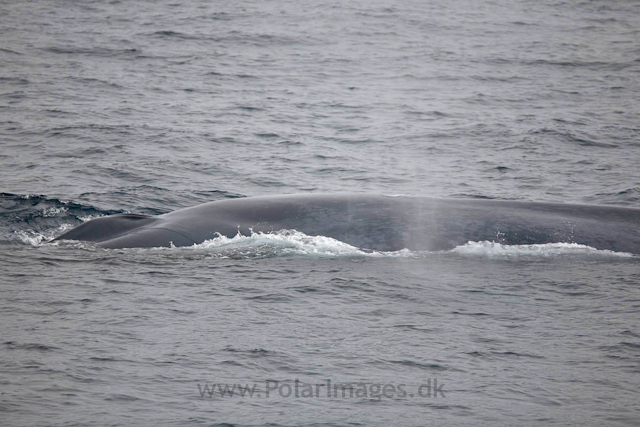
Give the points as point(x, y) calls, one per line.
point(152, 106)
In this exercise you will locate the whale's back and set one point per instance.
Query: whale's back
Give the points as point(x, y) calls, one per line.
point(376, 222)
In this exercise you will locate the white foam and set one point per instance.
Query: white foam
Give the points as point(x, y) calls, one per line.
point(282, 242)
point(296, 242)
point(493, 249)
point(52, 211)
point(89, 217)
point(35, 238)
point(31, 238)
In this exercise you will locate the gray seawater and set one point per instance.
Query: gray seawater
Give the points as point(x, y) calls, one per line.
point(147, 107)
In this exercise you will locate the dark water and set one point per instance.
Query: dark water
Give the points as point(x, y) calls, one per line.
point(109, 107)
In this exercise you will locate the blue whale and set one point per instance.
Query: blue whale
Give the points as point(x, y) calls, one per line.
point(375, 222)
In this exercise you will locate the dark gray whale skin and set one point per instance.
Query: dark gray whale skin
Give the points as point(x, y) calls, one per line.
point(375, 222)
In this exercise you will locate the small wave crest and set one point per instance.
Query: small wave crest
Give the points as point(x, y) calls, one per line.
point(493, 249)
point(34, 238)
point(287, 242)
point(35, 219)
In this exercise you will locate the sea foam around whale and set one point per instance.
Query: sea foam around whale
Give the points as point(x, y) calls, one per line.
point(296, 243)
point(288, 242)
